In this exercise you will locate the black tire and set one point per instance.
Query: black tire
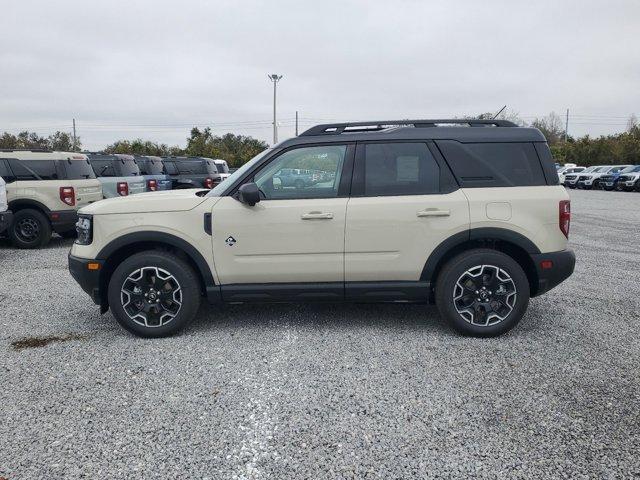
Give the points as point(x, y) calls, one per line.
point(30, 229)
point(509, 306)
point(183, 276)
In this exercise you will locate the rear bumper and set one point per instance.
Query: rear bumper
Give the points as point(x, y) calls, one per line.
point(63, 220)
point(562, 265)
point(5, 220)
point(89, 280)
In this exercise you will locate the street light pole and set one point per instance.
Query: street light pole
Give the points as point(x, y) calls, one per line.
point(275, 78)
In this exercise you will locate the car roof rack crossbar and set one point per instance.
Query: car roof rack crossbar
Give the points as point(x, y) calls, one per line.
point(377, 125)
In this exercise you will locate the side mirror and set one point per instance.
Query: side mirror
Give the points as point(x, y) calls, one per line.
point(249, 194)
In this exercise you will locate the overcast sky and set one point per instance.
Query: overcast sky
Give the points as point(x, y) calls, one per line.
point(152, 69)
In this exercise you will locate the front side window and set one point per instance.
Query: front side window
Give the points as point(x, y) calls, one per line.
point(307, 172)
point(5, 173)
point(45, 169)
point(400, 169)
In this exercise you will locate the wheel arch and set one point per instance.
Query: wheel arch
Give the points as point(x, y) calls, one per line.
point(22, 203)
point(514, 244)
point(118, 250)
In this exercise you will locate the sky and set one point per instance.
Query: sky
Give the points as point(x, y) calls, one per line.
point(153, 69)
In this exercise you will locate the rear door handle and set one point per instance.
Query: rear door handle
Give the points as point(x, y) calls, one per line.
point(317, 216)
point(433, 212)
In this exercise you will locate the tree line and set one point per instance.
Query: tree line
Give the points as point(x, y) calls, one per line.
point(620, 148)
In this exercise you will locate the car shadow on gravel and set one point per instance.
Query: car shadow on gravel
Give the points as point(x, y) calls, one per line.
point(55, 242)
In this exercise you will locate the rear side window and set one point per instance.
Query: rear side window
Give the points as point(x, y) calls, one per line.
point(77, 169)
point(45, 169)
point(399, 169)
point(21, 171)
point(493, 164)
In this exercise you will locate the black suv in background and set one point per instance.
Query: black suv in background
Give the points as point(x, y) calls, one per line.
point(191, 172)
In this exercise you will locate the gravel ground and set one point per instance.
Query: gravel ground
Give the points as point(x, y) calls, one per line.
point(330, 391)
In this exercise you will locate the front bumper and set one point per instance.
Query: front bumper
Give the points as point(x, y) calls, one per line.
point(63, 220)
point(88, 279)
point(562, 265)
point(5, 220)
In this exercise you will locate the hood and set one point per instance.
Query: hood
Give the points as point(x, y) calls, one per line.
point(164, 201)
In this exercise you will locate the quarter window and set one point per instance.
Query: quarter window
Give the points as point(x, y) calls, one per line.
point(399, 169)
point(307, 172)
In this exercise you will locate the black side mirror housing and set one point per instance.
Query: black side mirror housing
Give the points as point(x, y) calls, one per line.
point(249, 194)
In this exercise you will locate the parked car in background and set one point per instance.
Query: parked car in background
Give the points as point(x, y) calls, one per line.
point(152, 170)
point(568, 171)
point(469, 217)
point(44, 191)
point(296, 178)
point(589, 178)
point(191, 172)
point(608, 179)
point(223, 168)
point(118, 173)
point(571, 179)
point(629, 179)
point(5, 214)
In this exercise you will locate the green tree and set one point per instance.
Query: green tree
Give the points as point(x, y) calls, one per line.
point(235, 149)
point(551, 126)
point(63, 141)
point(142, 147)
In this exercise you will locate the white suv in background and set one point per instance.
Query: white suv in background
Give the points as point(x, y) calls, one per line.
point(568, 171)
point(471, 218)
point(589, 180)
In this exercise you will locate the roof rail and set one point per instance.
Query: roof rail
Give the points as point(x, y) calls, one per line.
point(377, 125)
point(25, 150)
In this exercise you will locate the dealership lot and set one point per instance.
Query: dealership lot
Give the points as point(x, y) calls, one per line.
point(326, 391)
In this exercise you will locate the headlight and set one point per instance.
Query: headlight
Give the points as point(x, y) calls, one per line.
point(84, 227)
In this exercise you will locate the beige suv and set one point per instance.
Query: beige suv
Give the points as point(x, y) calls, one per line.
point(469, 216)
point(45, 190)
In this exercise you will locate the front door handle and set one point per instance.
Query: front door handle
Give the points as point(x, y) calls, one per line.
point(317, 216)
point(433, 212)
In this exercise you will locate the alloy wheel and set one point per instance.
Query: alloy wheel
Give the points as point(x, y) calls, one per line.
point(484, 295)
point(151, 296)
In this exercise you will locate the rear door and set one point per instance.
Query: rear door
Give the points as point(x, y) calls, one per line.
point(404, 203)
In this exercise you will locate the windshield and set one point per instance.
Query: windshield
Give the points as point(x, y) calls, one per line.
point(632, 168)
point(221, 187)
point(78, 169)
point(617, 169)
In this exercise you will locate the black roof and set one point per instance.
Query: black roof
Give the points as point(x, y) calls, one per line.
point(462, 130)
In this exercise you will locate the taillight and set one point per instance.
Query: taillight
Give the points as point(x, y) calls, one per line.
point(123, 189)
point(152, 185)
point(208, 182)
point(564, 220)
point(68, 195)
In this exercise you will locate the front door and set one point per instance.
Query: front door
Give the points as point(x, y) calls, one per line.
point(295, 234)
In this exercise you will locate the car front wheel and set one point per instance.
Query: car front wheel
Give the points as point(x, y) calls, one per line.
point(482, 292)
point(154, 294)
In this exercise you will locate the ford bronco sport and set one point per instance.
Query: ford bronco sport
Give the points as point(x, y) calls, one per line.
point(470, 217)
point(152, 170)
point(118, 173)
point(191, 172)
point(45, 190)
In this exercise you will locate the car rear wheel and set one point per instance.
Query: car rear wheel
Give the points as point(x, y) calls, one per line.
point(30, 229)
point(482, 292)
point(154, 294)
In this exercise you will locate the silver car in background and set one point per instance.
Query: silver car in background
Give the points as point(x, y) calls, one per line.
point(152, 170)
point(118, 173)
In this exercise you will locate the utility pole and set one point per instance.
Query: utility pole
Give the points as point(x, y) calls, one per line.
point(74, 135)
point(275, 78)
point(296, 123)
point(566, 126)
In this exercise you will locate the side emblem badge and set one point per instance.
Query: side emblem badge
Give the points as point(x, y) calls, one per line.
point(230, 241)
